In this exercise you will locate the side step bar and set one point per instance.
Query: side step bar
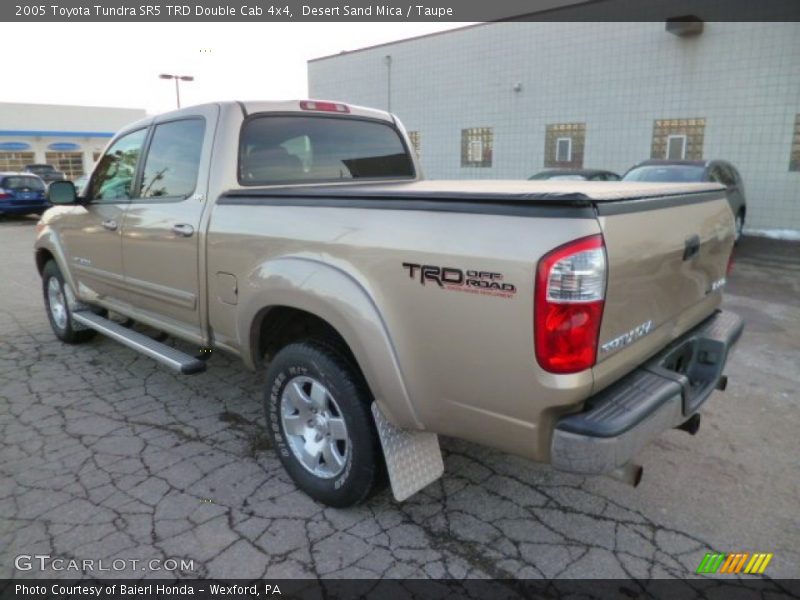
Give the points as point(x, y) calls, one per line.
point(166, 355)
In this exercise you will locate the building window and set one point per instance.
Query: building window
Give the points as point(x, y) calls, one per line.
point(15, 161)
point(476, 147)
point(69, 162)
point(564, 149)
point(676, 147)
point(794, 159)
point(414, 137)
point(563, 145)
point(678, 139)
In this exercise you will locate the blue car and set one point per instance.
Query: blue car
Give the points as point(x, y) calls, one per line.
point(22, 194)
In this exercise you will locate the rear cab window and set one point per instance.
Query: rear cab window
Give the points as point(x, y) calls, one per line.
point(285, 149)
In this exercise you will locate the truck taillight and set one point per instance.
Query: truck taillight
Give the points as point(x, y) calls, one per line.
point(568, 305)
point(324, 106)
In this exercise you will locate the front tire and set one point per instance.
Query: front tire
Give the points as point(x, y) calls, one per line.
point(320, 423)
point(57, 301)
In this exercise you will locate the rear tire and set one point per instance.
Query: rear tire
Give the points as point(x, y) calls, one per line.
point(320, 423)
point(59, 309)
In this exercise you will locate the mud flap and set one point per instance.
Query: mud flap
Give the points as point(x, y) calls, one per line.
point(413, 458)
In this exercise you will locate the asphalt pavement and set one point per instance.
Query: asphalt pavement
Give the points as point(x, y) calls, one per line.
point(106, 455)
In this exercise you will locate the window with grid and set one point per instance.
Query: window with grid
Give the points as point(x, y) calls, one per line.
point(69, 162)
point(476, 147)
point(563, 145)
point(678, 139)
point(794, 159)
point(414, 137)
point(15, 161)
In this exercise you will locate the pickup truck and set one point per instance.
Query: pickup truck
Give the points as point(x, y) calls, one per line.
point(564, 321)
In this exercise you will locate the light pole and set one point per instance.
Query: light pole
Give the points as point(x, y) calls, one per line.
point(387, 60)
point(177, 78)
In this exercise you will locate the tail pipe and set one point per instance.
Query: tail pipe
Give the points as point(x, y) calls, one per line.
point(630, 473)
point(690, 426)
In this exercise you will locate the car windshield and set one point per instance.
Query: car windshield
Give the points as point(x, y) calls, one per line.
point(557, 176)
point(22, 183)
point(666, 173)
point(287, 149)
point(573, 177)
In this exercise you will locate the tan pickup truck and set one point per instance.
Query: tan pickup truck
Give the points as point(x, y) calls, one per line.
point(567, 322)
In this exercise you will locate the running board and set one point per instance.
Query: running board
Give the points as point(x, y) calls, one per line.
point(166, 355)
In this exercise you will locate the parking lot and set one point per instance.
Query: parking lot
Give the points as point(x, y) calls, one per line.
point(106, 455)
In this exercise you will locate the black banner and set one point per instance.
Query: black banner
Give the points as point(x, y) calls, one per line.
point(311, 589)
point(396, 10)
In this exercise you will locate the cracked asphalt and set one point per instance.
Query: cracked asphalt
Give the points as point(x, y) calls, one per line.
point(106, 455)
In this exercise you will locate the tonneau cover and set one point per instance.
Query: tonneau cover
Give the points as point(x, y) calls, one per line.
point(490, 189)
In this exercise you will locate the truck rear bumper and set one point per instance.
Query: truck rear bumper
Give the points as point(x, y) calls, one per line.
point(663, 393)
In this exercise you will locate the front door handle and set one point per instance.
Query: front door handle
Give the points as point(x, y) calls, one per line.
point(110, 224)
point(183, 229)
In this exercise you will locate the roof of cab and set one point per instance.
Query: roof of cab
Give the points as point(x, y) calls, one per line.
point(265, 106)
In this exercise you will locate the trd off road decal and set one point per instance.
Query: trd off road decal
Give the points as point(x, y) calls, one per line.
point(485, 283)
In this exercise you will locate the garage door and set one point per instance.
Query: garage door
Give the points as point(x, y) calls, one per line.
point(15, 161)
point(69, 162)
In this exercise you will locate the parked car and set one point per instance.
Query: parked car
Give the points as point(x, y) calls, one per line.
point(576, 175)
point(690, 171)
point(22, 194)
point(386, 310)
point(48, 173)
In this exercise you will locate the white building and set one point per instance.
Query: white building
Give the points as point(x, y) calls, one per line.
point(70, 138)
point(505, 100)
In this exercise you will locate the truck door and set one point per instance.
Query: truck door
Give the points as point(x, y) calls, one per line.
point(91, 234)
point(161, 234)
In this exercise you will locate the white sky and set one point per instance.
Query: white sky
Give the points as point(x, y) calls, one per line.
point(117, 64)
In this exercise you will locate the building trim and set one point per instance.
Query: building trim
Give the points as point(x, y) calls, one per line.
point(35, 133)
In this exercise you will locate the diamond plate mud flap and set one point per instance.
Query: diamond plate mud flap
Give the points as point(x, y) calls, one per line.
point(413, 458)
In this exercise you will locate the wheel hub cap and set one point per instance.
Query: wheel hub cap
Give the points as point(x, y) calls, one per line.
point(314, 427)
point(58, 306)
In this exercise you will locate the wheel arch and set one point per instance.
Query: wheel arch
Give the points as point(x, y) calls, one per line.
point(282, 293)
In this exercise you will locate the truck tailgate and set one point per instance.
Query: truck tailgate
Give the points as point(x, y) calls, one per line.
point(667, 262)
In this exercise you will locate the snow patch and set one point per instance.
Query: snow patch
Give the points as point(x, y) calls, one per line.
point(775, 234)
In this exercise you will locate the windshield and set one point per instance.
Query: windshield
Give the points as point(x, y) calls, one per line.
point(666, 173)
point(290, 149)
point(23, 183)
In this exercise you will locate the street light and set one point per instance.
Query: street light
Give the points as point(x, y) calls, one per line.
point(177, 78)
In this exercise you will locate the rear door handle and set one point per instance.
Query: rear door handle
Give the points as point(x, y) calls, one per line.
point(110, 224)
point(183, 229)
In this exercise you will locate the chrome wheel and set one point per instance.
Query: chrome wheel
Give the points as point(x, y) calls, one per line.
point(314, 427)
point(57, 302)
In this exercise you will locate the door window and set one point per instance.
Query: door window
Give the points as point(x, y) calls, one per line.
point(173, 159)
point(113, 178)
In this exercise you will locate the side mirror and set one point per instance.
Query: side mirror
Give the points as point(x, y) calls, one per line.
point(62, 192)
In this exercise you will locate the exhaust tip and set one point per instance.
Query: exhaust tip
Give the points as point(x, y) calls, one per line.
point(691, 426)
point(630, 474)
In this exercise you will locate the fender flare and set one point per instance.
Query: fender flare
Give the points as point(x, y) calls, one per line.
point(336, 296)
point(48, 241)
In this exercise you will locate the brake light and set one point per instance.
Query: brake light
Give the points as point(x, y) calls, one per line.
point(568, 308)
point(4, 194)
point(324, 106)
